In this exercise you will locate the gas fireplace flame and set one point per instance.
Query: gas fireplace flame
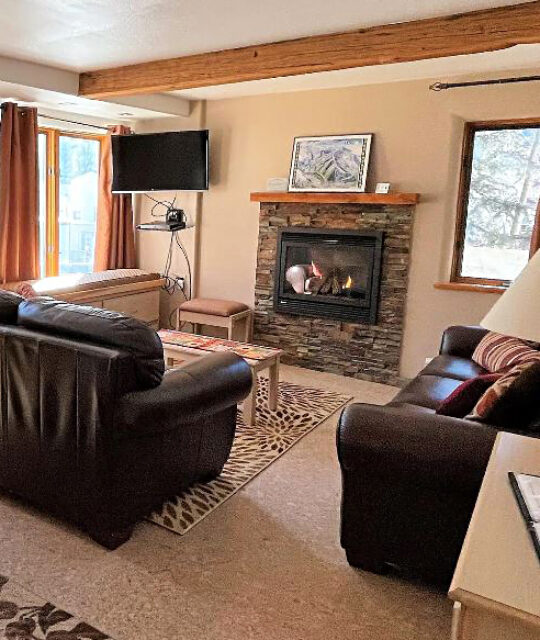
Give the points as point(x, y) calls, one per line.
point(316, 271)
point(348, 284)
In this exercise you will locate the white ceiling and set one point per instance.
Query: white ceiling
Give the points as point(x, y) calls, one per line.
point(45, 43)
point(55, 90)
point(89, 34)
point(59, 104)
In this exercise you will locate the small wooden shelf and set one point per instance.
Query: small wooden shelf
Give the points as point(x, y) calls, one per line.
point(327, 197)
point(465, 286)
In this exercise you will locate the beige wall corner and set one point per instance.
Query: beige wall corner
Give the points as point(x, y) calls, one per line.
point(416, 148)
point(153, 246)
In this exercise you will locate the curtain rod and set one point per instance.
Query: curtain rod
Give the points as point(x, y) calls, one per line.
point(82, 124)
point(441, 86)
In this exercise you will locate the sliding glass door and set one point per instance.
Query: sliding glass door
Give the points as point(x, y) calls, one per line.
point(68, 172)
point(42, 178)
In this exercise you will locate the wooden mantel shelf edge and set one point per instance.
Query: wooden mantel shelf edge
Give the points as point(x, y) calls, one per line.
point(327, 197)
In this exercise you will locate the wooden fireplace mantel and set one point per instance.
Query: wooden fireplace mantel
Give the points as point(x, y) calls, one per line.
point(328, 197)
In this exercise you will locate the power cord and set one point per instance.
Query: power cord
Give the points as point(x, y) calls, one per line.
point(186, 258)
point(171, 284)
point(168, 204)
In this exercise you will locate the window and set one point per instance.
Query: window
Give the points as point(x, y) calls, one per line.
point(68, 192)
point(498, 204)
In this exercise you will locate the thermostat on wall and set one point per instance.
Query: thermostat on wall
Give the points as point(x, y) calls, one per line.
point(277, 184)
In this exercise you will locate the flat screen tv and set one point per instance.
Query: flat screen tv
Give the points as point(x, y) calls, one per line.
point(175, 161)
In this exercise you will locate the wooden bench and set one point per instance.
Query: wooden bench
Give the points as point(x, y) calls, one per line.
point(130, 291)
point(217, 313)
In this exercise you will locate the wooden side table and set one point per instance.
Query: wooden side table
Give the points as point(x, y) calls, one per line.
point(496, 585)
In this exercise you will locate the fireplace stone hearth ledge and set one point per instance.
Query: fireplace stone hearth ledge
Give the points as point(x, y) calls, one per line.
point(364, 351)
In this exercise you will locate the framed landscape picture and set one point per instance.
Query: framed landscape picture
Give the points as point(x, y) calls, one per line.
point(330, 163)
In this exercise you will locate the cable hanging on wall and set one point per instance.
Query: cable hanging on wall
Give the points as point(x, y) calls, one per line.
point(441, 86)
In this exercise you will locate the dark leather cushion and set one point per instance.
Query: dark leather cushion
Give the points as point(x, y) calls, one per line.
point(102, 327)
point(447, 366)
point(533, 428)
point(426, 391)
point(463, 399)
point(187, 394)
point(412, 408)
point(461, 341)
point(9, 305)
point(430, 451)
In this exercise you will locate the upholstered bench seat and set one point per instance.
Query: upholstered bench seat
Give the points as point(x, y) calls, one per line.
point(214, 307)
point(216, 313)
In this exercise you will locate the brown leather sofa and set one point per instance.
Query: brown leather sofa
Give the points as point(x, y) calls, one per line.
point(92, 429)
point(411, 477)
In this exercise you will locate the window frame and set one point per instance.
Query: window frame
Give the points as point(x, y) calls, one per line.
point(52, 189)
point(471, 128)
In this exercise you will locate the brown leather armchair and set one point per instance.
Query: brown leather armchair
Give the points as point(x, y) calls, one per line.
point(411, 477)
point(92, 429)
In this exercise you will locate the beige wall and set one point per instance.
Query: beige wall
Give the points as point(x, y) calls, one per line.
point(416, 147)
point(152, 246)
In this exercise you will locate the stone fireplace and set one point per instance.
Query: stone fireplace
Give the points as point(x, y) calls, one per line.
point(331, 281)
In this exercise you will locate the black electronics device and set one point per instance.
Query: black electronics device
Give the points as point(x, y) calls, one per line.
point(175, 221)
point(173, 161)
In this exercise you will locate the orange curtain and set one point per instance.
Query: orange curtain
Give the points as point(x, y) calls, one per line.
point(115, 235)
point(19, 228)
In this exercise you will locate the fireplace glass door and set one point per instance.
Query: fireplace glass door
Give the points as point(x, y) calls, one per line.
point(328, 272)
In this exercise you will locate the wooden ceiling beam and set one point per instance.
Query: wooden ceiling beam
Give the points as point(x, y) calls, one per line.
point(465, 33)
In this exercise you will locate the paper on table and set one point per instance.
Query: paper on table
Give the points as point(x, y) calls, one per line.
point(530, 491)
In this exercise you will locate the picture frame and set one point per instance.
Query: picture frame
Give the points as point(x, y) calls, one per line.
point(336, 163)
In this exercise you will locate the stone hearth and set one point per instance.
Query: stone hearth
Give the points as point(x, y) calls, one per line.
point(365, 351)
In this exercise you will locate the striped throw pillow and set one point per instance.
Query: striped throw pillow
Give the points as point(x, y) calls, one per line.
point(512, 401)
point(498, 353)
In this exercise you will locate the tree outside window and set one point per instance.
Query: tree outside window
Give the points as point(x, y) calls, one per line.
point(499, 201)
point(68, 185)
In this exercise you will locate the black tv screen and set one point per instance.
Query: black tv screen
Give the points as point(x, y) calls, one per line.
point(176, 161)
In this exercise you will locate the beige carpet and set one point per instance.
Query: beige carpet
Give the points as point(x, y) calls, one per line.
point(255, 447)
point(266, 564)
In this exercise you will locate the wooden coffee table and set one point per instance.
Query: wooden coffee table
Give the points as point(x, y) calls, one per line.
point(182, 348)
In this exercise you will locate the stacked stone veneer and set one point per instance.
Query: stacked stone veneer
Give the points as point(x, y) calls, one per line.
point(369, 352)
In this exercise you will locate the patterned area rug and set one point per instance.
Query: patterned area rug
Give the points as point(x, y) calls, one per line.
point(26, 616)
point(300, 410)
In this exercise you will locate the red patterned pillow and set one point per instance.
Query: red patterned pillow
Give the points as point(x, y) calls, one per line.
point(463, 399)
point(498, 353)
point(512, 401)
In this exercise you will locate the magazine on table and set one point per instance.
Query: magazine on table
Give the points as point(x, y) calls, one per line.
point(527, 491)
point(209, 343)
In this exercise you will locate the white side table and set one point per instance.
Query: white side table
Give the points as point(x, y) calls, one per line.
point(496, 585)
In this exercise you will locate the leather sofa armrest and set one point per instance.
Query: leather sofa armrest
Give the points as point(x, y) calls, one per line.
point(396, 440)
point(461, 340)
point(201, 388)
